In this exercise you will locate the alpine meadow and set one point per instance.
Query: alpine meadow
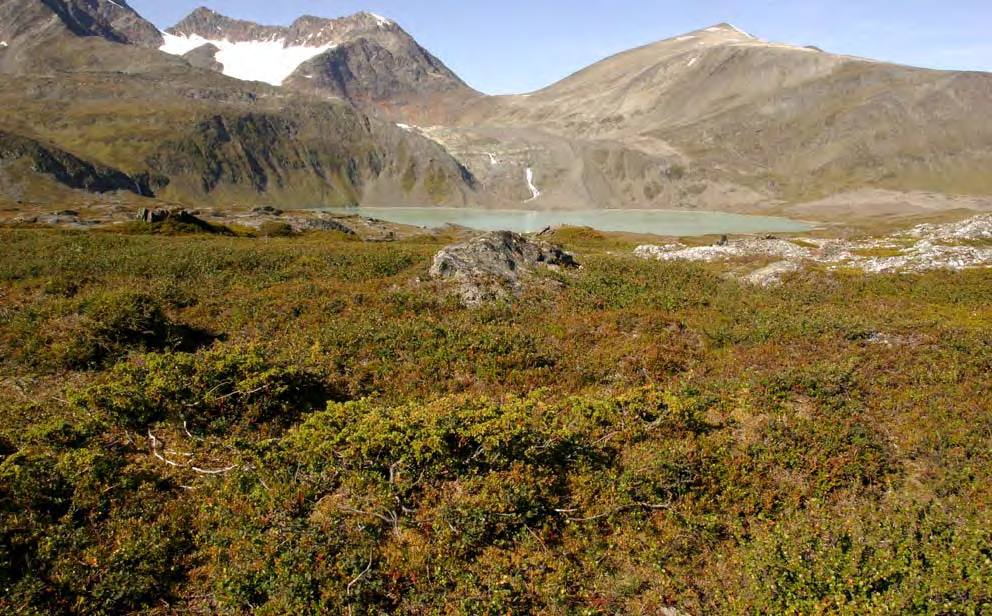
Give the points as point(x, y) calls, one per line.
point(233, 380)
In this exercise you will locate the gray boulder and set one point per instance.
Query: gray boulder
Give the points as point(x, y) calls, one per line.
point(304, 223)
point(157, 216)
point(495, 264)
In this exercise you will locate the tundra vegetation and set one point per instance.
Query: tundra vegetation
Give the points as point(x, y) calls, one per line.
point(212, 423)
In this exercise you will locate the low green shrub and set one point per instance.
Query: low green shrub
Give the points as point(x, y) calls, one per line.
point(913, 559)
point(275, 229)
point(84, 532)
point(218, 389)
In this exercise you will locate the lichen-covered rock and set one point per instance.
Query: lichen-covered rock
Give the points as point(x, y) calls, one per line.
point(771, 276)
point(318, 223)
point(977, 228)
point(740, 248)
point(952, 246)
point(495, 264)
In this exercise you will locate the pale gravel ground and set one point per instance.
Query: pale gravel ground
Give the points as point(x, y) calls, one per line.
point(923, 248)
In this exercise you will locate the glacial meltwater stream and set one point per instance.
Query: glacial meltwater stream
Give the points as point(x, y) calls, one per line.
point(659, 222)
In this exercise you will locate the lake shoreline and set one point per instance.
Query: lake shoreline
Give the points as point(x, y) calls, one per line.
point(672, 223)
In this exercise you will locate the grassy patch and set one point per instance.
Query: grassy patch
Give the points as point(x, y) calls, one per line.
point(880, 252)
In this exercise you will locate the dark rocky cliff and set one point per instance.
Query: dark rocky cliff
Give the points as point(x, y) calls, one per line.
point(70, 170)
point(25, 21)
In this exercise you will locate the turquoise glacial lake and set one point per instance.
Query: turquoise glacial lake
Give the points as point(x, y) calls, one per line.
point(659, 222)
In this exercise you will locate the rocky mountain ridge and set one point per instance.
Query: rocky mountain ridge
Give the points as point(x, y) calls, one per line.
point(365, 58)
point(306, 31)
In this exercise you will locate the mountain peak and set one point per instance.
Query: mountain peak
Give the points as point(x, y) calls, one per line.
point(363, 57)
point(305, 31)
point(207, 23)
point(380, 21)
point(727, 28)
point(203, 12)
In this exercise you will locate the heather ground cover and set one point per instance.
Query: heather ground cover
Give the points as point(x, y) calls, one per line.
point(210, 423)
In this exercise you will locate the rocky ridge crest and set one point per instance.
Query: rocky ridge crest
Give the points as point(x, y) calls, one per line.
point(364, 58)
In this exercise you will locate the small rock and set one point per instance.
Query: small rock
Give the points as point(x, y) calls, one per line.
point(890, 340)
point(266, 210)
point(157, 216)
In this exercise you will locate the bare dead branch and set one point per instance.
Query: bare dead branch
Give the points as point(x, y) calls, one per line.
point(390, 517)
point(218, 471)
point(361, 575)
point(243, 393)
point(156, 442)
point(189, 434)
point(615, 510)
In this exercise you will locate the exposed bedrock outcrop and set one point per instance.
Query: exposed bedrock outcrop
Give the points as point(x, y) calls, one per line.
point(496, 264)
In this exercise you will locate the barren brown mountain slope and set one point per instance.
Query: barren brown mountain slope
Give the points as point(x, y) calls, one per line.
point(719, 108)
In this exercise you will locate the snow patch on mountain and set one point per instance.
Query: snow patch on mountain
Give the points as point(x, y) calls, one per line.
point(380, 20)
point(180, 45)
point(266, 61)
point(733, 27)
point(728, 27)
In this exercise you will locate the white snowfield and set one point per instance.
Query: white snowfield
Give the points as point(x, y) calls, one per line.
point(266, 61)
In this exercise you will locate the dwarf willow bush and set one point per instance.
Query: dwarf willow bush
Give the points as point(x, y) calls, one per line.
point(219, 389)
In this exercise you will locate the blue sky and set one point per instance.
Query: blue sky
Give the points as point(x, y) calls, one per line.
point(516, 46)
